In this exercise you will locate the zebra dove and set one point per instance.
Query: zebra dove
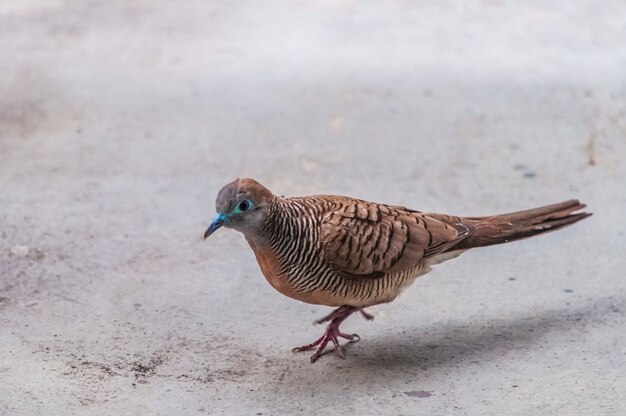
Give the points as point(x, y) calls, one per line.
point(351, 254)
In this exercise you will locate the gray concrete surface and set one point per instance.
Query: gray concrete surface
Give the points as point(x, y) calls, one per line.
point(120, 120)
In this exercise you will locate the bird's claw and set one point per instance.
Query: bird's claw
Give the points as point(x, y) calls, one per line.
point(332, 333)
point(355, 338)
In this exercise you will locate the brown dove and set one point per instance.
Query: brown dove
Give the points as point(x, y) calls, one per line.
point(350, 254)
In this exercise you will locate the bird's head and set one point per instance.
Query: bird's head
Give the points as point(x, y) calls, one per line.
point(241, 205)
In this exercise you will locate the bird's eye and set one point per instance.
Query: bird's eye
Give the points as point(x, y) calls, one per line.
point(244, 205)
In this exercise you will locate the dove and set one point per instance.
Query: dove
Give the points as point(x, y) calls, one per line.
point(351, 254)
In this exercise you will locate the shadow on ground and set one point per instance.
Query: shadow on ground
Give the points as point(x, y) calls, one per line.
point(439, 348)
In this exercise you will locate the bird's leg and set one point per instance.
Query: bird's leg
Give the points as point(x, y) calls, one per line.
point(339, 311)
point(367, 316)
point(331, 333)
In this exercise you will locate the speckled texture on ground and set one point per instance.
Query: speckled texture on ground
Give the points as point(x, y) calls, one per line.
point(120, 121)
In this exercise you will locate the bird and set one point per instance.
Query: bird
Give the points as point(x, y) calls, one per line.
point(352, 254)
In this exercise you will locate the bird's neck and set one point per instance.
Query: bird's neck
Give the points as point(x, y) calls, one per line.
point(283, 221)
point(278, 218)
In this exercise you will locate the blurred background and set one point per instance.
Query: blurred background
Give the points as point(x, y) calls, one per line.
point(121, 120)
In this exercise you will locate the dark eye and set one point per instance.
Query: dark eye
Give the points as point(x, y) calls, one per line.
point(244, 205)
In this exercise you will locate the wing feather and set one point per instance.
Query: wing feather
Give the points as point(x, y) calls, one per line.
point(365, 239)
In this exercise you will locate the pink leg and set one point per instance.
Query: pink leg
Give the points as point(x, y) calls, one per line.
point(367, 316)
point(334, 314)
point(341, 310)
point(332, 333)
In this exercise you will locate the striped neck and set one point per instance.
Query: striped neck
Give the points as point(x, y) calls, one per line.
point(278, 218)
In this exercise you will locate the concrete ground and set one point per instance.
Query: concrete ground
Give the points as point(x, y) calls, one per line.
point(120, 121)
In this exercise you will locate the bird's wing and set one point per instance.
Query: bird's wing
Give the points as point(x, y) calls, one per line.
point(365, 239)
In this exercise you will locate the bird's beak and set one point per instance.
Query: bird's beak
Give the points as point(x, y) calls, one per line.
point(218, 221)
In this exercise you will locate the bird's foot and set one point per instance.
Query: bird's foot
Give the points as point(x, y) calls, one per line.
point(321, 343)
point(332, 333)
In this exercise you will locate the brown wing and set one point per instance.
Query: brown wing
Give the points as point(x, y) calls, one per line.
point(366, 239)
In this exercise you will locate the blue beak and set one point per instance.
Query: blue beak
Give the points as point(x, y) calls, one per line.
point(218, 221)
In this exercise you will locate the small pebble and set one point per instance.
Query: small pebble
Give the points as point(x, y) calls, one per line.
point(35, 254)
point(20, 250)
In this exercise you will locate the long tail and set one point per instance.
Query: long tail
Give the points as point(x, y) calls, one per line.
point(498, 229)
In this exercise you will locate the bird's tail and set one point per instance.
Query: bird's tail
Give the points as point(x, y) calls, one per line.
point(498, 229)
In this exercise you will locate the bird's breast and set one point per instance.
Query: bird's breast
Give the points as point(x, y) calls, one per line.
point(270, 267)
